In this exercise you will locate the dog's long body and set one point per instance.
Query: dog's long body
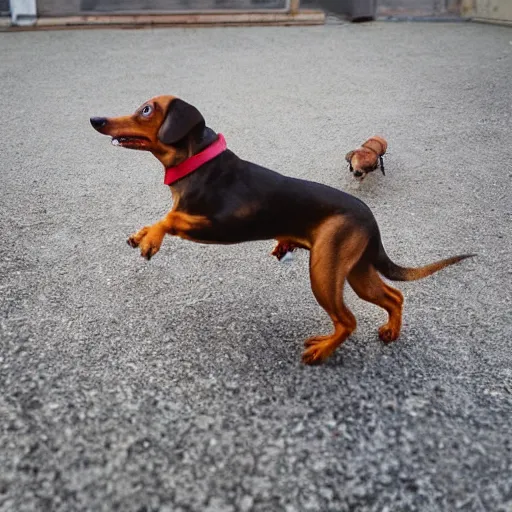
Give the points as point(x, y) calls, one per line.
point(246, 202)
point(228, 200)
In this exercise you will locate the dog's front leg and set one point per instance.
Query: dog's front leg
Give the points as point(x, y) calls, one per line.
point(149, 238)
point(382, 165)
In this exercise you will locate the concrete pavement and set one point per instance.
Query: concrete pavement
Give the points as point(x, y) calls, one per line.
point(176, 385)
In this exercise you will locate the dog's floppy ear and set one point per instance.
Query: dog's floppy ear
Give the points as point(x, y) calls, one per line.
point(349, 156)
point(181, 119)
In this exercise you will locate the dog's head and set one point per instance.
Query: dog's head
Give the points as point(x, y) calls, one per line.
point(362, 162)
point(352, 157)
point(166, 126)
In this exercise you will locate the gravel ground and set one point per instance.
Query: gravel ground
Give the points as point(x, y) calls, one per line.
point(176, 384)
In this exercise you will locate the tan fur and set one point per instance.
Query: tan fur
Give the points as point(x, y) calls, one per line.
point(366, 158)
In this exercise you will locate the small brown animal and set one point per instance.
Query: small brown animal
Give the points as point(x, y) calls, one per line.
point(218, 198)
point(367, 158)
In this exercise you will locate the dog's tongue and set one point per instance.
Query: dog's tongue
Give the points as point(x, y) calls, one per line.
point(115, 142)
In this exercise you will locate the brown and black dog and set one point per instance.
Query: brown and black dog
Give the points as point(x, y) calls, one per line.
point(366, 159)
point(227, 200)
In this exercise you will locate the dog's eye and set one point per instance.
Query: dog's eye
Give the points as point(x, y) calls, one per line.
point(147, 111)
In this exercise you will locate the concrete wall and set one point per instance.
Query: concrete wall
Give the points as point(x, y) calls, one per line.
point(499, 11)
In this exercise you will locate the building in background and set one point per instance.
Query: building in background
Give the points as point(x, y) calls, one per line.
point(77, 12)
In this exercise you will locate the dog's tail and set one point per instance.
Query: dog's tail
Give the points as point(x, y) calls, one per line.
point(395, 272)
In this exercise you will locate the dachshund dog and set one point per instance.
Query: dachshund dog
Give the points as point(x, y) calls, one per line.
point(366, 159)
point(218, 198)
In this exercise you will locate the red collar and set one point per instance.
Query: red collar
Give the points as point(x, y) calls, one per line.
point(173, 174)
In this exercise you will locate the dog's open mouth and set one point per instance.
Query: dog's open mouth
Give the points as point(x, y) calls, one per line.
point(128, 141)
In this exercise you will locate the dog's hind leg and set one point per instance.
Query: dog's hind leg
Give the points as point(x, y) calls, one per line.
point(336, 249)
point(369, 286)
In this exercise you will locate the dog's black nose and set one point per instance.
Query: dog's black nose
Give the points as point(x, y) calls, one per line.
point(98, 122)
point(358, 174)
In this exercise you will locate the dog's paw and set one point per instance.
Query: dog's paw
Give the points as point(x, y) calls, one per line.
point(282, 249)
point(319, 348)
point(135, 239)
point(148, 239)
point(387, 334)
